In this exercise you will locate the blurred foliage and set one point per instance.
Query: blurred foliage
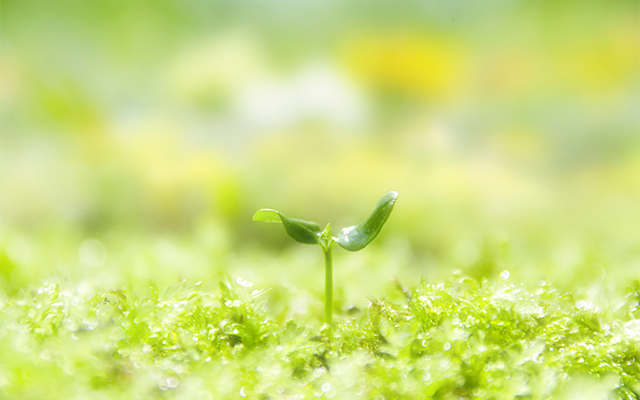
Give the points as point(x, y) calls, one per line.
point(509, 129)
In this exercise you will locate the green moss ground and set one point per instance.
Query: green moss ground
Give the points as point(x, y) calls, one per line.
point(463, 339)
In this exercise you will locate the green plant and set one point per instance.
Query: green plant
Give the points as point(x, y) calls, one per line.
point(352, 238)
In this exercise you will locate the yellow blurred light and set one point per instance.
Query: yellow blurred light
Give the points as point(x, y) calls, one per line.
point(599, 66)
point(414, 64)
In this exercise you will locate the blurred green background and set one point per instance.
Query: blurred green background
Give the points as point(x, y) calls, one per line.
point(139, 137)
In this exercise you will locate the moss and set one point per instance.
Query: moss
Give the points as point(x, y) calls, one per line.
point(463, 338)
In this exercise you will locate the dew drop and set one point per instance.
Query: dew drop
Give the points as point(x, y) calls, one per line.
point(172, 382)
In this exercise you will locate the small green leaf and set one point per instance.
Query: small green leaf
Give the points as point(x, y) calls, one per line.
point(326, 238)
point(356, 238)
point(301, 231)
point(267, 215)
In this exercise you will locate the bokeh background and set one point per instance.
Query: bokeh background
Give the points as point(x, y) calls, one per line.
point(139, 137)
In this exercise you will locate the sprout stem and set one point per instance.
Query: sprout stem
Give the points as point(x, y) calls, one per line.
point(328, 285)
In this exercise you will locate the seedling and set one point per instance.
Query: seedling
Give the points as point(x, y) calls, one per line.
point(352, 238)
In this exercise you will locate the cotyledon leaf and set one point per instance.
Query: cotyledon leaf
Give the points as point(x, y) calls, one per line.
point(357, 237)
point(267, 215)
point(301, 231)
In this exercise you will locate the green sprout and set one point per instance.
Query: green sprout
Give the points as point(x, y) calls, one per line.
point(352, 238)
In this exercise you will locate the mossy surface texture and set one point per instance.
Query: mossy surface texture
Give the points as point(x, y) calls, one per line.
point(461, 339)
